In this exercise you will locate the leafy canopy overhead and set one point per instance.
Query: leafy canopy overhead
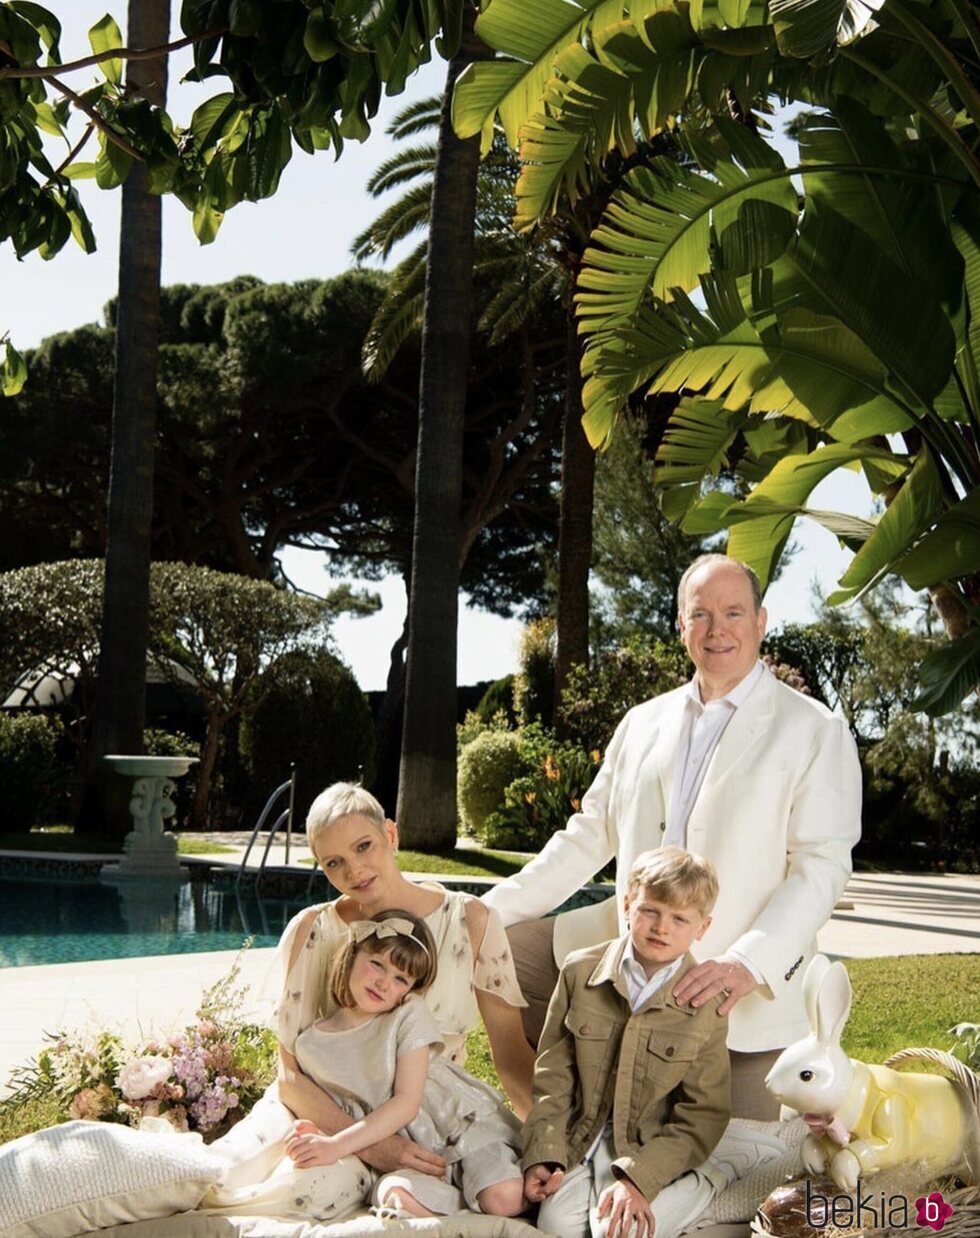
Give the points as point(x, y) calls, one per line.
point(814, 315)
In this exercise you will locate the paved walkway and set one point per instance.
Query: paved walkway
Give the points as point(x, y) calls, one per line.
point(880, 914)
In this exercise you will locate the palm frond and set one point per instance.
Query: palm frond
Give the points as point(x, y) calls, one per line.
point(404, 166)
point(417, 117)
point(397, 317)
point(409, 214)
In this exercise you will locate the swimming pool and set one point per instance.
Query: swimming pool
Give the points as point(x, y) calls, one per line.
point(77, 918)
point(61, 911)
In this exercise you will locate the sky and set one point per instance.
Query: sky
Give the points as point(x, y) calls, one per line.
point(305, 231)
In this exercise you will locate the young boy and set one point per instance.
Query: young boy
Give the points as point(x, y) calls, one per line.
point(631, 1090)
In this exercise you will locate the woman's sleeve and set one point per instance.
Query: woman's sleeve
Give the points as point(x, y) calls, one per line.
point(302, 962)
point(493, 966)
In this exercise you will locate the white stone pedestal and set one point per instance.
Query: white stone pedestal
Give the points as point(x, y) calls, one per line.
point(149, 850)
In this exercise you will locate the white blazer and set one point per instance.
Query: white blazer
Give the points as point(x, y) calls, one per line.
point(778, 813)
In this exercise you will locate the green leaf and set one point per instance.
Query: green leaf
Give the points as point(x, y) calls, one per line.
point(112, 166)
point(46, 119)
point(79, 171)
point(913, 510)
point(891, 204)
point(951, 549)
point(948, 675)
point(13, 372)
point(695, 443)
point(43, 21)
point(319, 37)
point(804, 28)
point(209, 119)
point(834, 268)
point(531, 36)
point(656, 233)
point(103, 36)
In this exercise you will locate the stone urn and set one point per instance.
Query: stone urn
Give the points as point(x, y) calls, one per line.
point(149, 851)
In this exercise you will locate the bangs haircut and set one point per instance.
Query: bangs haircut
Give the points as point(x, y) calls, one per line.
point(676, 877)
point(416, 958)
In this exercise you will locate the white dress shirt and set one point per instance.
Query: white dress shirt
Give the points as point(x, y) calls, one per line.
point(701, 732)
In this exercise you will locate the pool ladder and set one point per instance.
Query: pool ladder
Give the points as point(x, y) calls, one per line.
point(285, 816)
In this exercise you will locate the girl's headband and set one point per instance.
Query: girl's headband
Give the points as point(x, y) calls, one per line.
point(395, 926)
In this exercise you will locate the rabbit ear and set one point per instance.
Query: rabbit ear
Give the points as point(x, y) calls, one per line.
point(833, 1004)
point(816, 969)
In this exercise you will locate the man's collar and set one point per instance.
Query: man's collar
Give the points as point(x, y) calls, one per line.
point(735, 696)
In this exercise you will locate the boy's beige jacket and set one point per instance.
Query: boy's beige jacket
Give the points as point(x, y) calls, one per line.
point(662, 1074)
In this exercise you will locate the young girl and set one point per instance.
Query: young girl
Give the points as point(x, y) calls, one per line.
point(377, 1057)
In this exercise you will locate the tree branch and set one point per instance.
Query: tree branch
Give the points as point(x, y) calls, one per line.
point(94, 117)
point(113, 53)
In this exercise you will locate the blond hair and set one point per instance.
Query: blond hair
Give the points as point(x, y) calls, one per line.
point(339, 800)
point(676, 877)
point(415, 955)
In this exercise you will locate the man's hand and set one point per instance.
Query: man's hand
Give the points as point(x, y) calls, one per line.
point(714, 976)
point(540, 1181)
point(397, 1152)
point(626, 1207)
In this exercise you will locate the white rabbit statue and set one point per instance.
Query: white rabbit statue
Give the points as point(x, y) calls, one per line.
point(867, 1117)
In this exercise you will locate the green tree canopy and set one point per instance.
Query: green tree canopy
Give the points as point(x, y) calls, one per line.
point(269, 436)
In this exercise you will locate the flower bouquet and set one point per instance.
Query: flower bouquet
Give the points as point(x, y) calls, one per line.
point(204, 1078)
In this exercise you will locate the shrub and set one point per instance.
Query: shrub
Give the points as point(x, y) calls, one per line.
point(534, 686)
point(498, 698)
point(595, 699)
point(487, 765)
point(30, 781)
point(539, 803)
point(310, 710)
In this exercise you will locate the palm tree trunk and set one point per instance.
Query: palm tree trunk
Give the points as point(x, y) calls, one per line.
point(575, 525)
point(120, 704)
point(427, 776)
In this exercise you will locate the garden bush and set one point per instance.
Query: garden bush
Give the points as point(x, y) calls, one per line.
point(539, 803)
point(31, 782)
point(487, 766)
point(310, 710)
point(596, 698)
point(498, 699)
point(534, 686)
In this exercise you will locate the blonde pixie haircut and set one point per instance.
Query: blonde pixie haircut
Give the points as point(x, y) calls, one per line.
point(676, 877)
point(339, 800)
point(415, 955)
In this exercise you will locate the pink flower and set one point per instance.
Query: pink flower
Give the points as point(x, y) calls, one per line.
point(142, 1076)
point(90, 1103)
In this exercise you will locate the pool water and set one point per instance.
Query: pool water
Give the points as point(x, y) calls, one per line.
point(79, 918)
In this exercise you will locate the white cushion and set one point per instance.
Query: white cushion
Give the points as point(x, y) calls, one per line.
point(81, 1176)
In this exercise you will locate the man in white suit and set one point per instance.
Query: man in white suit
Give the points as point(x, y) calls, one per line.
point(742, 769)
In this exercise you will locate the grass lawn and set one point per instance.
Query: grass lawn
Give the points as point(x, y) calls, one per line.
point(460, 862)
point(898, 1003)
